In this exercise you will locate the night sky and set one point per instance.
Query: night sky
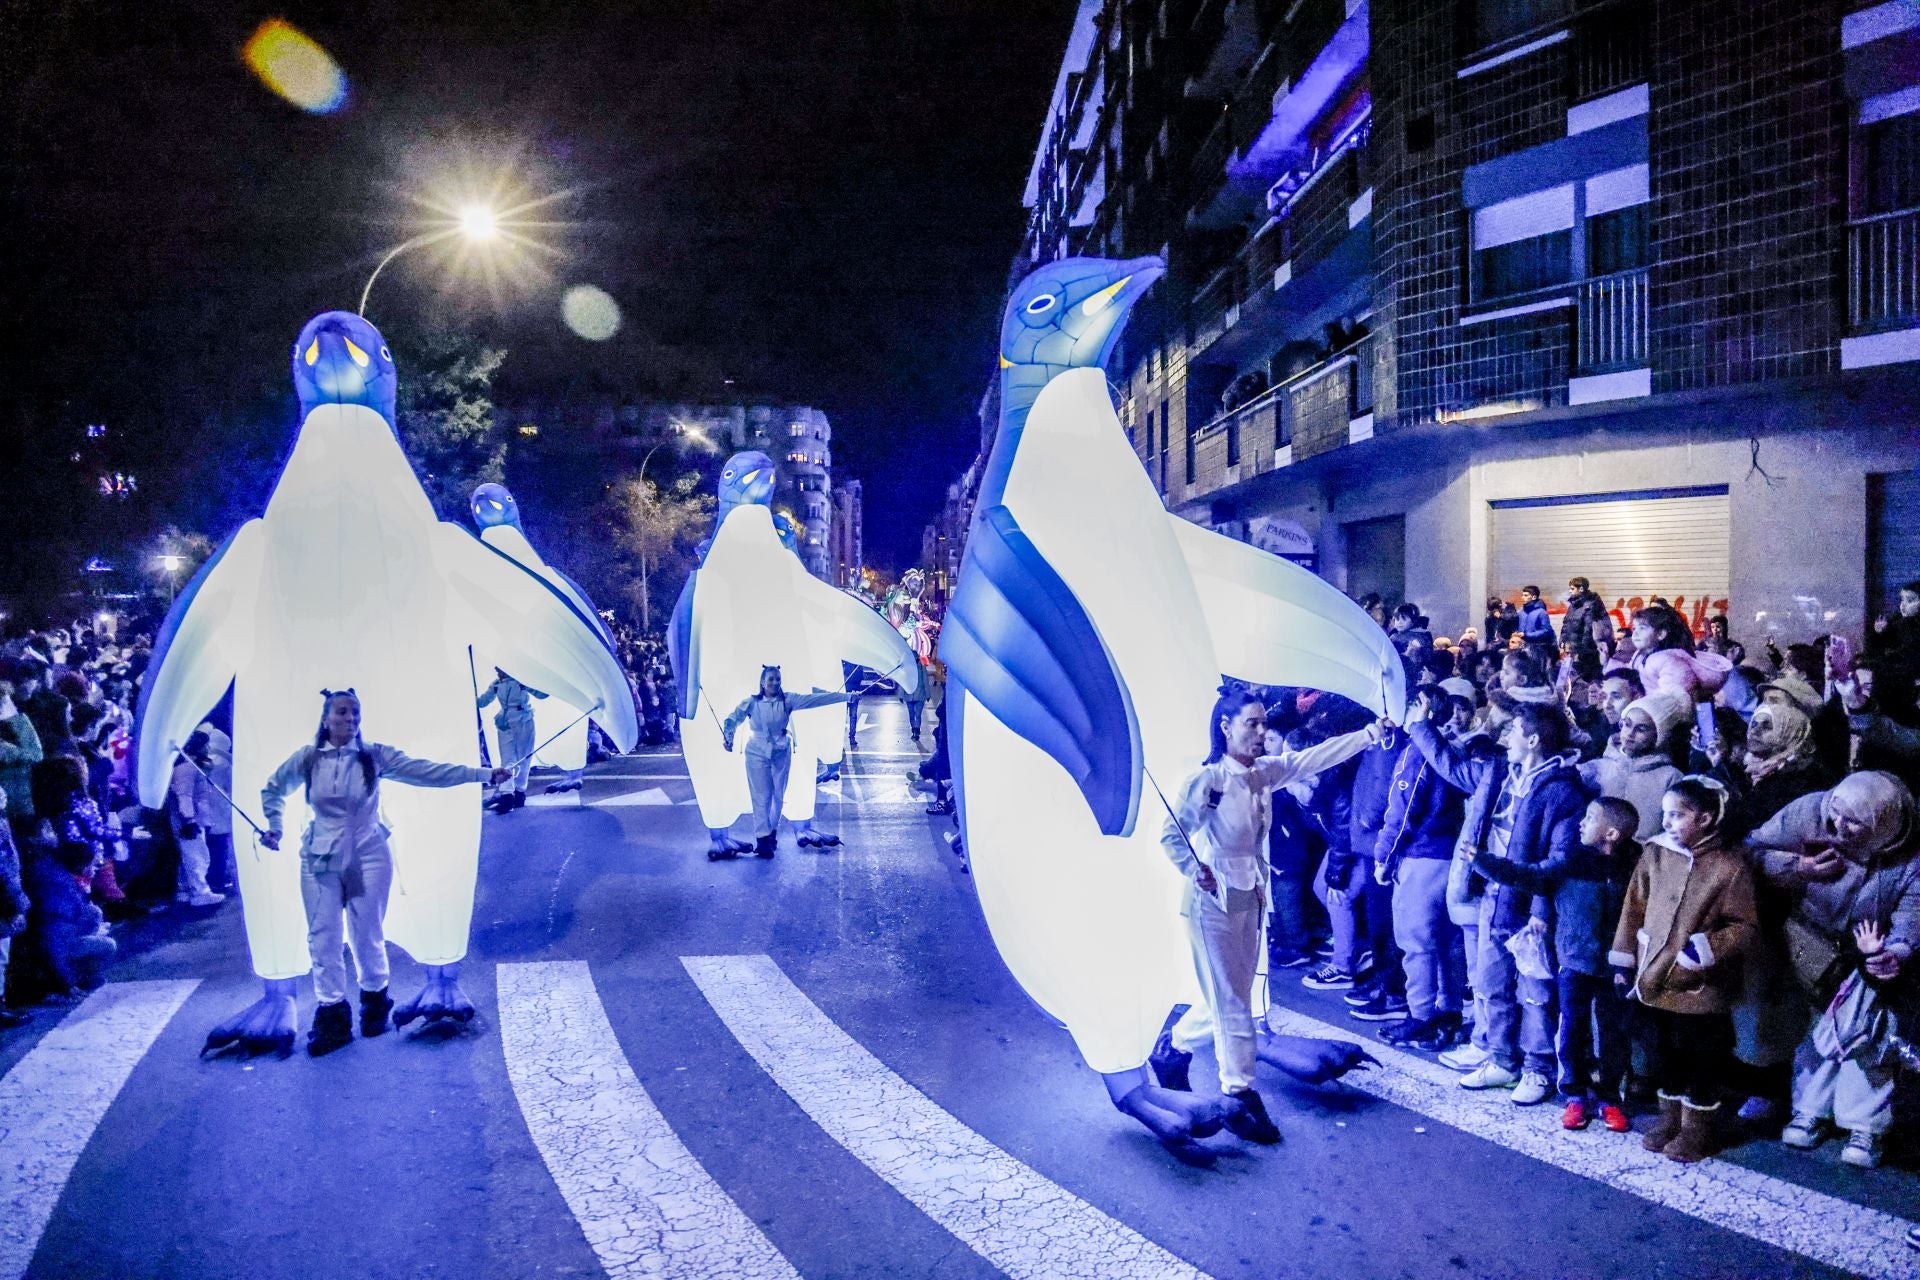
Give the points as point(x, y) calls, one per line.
point(819, 201)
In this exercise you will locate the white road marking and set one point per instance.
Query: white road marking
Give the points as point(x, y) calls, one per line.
point(1825, 1228)
point(54, 1098)
point(644, 1203)
point(1000, 1208)
point(578, 799)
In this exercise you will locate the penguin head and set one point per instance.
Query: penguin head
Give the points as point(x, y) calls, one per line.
point(341, 359)
point(788, 531)
point(1070, 313)
point(493, 506)
point(747, 478)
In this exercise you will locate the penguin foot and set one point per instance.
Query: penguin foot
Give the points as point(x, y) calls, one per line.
point(722, 853)
point(265, 1026)
point(1177, 1119)
point(441, 999)
point(1311, 1060)
point(1170, 1065)
point(826, 839)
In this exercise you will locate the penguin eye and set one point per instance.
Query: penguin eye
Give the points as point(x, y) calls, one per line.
point(359, 356)
point(1042, 304)
point(386, 355)
point(313, 352)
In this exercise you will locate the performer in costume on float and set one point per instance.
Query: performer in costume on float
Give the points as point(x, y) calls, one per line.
point(514, 722)
point(748, 605)
point(1084, 645)
point(346, 866)
point(770, 749)
point(350, 577)
point(557, 723)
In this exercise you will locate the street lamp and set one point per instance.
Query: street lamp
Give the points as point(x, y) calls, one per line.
point(476, 223)
point(171, 566)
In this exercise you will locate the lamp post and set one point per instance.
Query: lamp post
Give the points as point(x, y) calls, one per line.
point(646, 568)
point(476, 223)
point(171, 566)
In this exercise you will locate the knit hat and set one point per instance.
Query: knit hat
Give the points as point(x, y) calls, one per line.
point(1459, 687)
point(1668, 711)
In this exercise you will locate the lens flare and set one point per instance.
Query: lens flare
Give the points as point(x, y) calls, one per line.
point(589, 312)
point(293, 65)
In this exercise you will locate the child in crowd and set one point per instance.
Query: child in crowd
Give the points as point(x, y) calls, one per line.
point(1579, 898)
point(1636, 766)
point(1689, 917)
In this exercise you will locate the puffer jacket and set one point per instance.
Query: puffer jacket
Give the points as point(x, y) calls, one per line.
point(1546, 830)
point(1536, 624)
point(1474, 766)
point(1372, 782)
point(1579, 892)
point(1423, 813)
point(1688, 919)
point(1639, 780)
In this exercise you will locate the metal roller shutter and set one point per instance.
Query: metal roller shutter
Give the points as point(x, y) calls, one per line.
point(1893, 536)
point(1631, 546)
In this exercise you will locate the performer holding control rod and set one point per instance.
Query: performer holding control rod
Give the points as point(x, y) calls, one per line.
point(770, 749)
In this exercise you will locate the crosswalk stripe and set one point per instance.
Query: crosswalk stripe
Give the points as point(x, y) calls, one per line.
point(54, 1098)
point(1825, 1228)
point(579, 800)
point(645, 1204)
point(1000, 1208)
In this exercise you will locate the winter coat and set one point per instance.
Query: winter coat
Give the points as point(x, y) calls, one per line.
point(1295, 842)
point(1579, 892)
point(1886, 888)
point(1583, 611)
point(19, 752)
point(52, 718)
point(1372, 781)
point(1688, 919)
point(1423, 813)
point(1754, 803)
point(189, 796)
point(1331, 808)
point(1536, 624)
point(1887, 744)
point(1546, 829)
point(13, 892)
point(1639, 780)
point(1474, 766)
point(62, 919)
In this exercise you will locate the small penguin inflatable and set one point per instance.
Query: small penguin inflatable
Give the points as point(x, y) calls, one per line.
point(348, 579)
point(556, 722)
point(1085, 643)
point(751, 604)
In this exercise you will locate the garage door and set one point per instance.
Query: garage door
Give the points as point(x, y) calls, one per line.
point(1893, 536)
point(1631, 546)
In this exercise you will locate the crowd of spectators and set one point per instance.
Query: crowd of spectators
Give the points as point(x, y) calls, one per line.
point(1624, 865)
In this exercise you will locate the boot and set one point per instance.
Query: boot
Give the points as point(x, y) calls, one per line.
point(764, 846)
point(1667, 1128)
point(1247, 1117)
point(519, 799)
point(1696, 1140)
point(374, 1008)
point(332, 1029)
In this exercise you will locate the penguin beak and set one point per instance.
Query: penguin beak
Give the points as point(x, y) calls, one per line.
point(336, 373)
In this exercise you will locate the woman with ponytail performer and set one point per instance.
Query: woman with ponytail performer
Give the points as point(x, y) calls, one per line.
point(346, 867)
point(770, 753)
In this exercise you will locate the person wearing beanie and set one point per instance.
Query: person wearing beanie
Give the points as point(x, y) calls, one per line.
point(1459, 687)
point(1636, 767)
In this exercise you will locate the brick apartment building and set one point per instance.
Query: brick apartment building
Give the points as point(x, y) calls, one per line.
point(1467, 294)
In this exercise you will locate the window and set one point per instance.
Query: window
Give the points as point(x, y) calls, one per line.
point(1889, 165)
point(1617, 240)
point(796, 456)
point(1528, 243)
point(1521, 266)
point(1497, 20)
point(797, 429)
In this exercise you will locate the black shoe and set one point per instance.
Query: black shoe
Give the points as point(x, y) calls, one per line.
point(374, 1008)
point(1405, 1032)
point(1444, 1031)
point(519, 799)
point(722, 855)
point(1384, 1007)
point(1365, 990)
point(501, 803)
point(332, 1029)
point(14, 1018)
point(764, 846)
point(1249, 1119)
point(939, 808)
point(1170, 1064)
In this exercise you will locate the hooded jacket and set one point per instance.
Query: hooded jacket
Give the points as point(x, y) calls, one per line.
point(1579, 892)
point(1474, 766)
point(1423, 814)
point(1639, 780)
point(1688, 919)
point(1536, 624)
point(1549, 800)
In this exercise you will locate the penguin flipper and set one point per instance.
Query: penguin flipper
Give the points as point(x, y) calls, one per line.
point(859, 635)
point(1275, 623)
point(1018, 640)
point(202, 646)
point(680, 655)
point(529, 628)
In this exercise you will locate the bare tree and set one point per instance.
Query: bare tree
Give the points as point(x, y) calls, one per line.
point(659, 524)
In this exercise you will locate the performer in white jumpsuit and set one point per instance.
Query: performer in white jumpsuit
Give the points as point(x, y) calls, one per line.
point(770, 750)
point(346, 867)
point(514, 720)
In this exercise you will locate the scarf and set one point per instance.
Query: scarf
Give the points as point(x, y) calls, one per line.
point(1779, 737)
point(1878, 801)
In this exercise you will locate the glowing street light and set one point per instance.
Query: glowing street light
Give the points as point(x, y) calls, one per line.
point(477, 224)
point(170, 565)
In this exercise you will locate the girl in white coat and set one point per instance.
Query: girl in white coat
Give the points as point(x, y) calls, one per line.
point(770, 751)
point(346, 867)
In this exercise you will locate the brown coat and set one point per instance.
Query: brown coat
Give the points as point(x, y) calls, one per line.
point(1676, 899)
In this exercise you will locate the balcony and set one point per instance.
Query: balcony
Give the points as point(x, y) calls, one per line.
point(1883, 272)
point(1610, 50)
point(1610, 325)
point(1309, 413)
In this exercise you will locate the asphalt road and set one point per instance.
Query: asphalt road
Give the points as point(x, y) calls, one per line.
point(813, 1065)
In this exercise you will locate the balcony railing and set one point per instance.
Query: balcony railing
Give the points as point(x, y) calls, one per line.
point(1360, 377)
point(1883, 271)
point(1611, 328)
point(1610, 50)
point(1213, 300)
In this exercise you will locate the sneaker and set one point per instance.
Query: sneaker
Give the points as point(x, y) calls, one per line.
point(1533, 1089)
point(1804, 1133)
point(1862, 1150)
point(1444, 1032)
point(1407, 1031)
point(1287, 959)
point(1365, 990)
point(1327, 978)
point(1489, 1075)
point(1465, 1058)
point(1576, 1115)
point(1615, 1119)
point(1382, 1008)
point(207, 899)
